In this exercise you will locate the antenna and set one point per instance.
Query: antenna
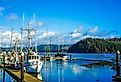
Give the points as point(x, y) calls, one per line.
point(23, 21)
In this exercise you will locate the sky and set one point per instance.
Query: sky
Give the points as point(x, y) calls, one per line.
point(62, 16)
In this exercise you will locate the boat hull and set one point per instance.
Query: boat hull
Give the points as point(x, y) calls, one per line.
point(34, 68)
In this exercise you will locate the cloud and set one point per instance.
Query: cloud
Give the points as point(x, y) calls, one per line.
point(44, 34)
point(1, 10)
point(79, 30)
point(6, 37)
point(37, 23)
point(76, 35)
point(97, 33)
point(12, 16)
point(66, 38)
point(93, 30)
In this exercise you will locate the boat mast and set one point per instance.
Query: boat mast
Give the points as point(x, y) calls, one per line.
point(29, 38)
point(62, 45)
point(22, 33)
point(21, 39)
point(36, 41)
point(50, 46)
point(16, 40)
point(59, 44)
point(0, 41)
point(11, 38)
point(35, 33)
point(47, 41)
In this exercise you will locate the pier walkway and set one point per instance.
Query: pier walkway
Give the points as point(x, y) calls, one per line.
point(16, 75)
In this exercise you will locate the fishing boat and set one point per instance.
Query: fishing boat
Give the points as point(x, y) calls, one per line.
point(60, 56)
point(32, 64)
point(48, 54)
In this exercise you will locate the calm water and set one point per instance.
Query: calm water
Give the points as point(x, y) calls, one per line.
point(6, 78)
point(88, 56)
point(71, 71)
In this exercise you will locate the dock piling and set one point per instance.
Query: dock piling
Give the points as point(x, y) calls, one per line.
point(70, 57)
point(4, 53)
point(117, 77)
point(22, 67)
point(118, 63)
point(44, 58)
point(4, 60)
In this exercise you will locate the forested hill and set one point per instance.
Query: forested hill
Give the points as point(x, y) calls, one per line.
point(90, 45)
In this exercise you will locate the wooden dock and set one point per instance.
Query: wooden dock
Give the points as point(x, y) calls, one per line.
point(16, 75)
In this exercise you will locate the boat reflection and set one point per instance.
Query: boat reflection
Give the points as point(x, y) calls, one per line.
point(59, 71)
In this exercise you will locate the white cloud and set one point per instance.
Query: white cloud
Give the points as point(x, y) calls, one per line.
point(80, 29)
point(44, 34)
point(77, 32)
point(66, 38)
point(93, 30)
point(37, 23)
point(1, 10)
point(75, 35)
point(12, 16)
point(6, 37)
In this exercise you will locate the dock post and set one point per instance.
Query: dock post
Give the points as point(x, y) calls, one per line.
point(4, 53)
point(4, 60)
point(44, 58)
point(70, 57)
point(22, 67)
point(118, 63)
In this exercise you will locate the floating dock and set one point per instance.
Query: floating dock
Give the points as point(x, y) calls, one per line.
point(16, 75)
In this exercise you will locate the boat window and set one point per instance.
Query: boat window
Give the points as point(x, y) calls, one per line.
point(37, 57)
point(24, 58)
point(29, 57)
point(33, 57)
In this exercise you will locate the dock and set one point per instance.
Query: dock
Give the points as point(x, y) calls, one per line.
point(15, 74)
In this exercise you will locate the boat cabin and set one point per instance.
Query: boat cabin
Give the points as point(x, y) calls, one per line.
point(36, 57)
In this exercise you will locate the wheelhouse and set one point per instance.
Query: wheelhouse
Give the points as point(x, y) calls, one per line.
point(34, 57)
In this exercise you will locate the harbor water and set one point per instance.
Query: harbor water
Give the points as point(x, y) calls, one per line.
point(5, 77)
point(74, 71)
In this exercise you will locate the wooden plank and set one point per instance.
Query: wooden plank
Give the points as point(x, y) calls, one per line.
point(27, 77)
point(16, 75)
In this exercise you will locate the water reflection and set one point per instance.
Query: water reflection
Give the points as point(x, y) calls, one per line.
point(5, 77)
point(66, 71)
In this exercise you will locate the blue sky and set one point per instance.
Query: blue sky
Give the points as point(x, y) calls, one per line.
point(62, 15)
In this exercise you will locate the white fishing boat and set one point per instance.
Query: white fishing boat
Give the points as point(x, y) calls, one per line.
point(34, 64)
